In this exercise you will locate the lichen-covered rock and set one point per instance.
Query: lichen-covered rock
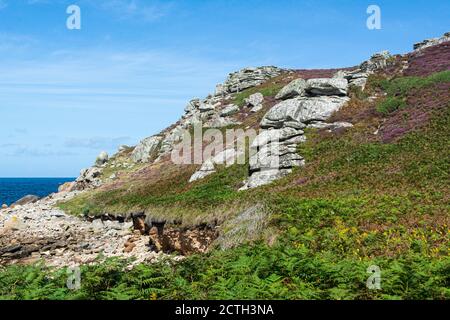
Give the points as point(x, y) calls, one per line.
point(227, 157)
point(220, 122)
point(206, 169)
point(67, 187)
point(171, 138)
point(265, 177)
point(356, 77)
point(268, 136)
point(26, 200)
point(102, 158)
point(254, 100)
point(247, 78)
point(146, 149)
point(229, 110)
point(295, 88)
point(377, 61)
point(275, 156)
point(432, 42)
point(298, 111)
point(327, 87)
point(329, 126)
point(89, 178)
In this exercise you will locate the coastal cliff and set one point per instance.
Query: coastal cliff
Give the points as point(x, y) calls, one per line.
point(345, 166)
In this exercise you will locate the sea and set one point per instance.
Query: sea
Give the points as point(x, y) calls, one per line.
point(12, 189)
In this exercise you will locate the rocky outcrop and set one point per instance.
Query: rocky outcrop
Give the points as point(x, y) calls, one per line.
point(431, 42)
point(146, 149)
point(255, 102)
point(247, 78)
point(227, 157)
point(205, 170)
point(327, 87)
point(67, 187)
point(229, 110)
point(313, 102)
point(102, 158)
point(293, 89)
point(89, 178)
point(358, 77)
point(296, 112)
point(26, 200)
point(274, 154)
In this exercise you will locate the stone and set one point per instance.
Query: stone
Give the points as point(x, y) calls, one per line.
point(26, 200)
point(89, 175)
point(205, 107)
point(298, 111)
point(265, 177)
point(227, 157)
point(4, 206)
point(67, 187)
point(356, 77)
point(170, 139)
point(327, 87)
point(229, 110)
point(276, 148)
point(257, 108)
point(295, 88)
point(101, 159)
point(123, 148)
point(431, 42)
point(274, 135)
point(329, 126)
point(275, 156)
point(88, 178)
point(220, 122)
point(192, 106)
point(206, 169)
point(254, 100)
point(376, 62)
point(14, 223)
point(247, 78)
point(146, 149)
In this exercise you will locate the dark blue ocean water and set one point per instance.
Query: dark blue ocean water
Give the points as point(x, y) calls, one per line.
point(12, 189)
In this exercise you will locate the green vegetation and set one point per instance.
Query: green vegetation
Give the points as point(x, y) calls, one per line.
point(398, 88)
point(257, 272)
point(390, 104)
point(358, 202)
point(268, 90)
point(181, 201)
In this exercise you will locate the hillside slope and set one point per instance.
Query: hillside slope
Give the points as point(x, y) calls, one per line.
point(363, 182)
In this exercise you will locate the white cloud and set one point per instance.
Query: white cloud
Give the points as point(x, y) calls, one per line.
point(96, 143)
point(33, 151)
point(106, 79)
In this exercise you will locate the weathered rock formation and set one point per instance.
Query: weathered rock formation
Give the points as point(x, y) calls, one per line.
point(26, 200)
point(432, 42)
point(102, 158)
point(146, 149)
point(246, 78)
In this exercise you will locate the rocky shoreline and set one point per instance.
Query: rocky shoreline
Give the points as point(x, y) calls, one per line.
point(40, 232)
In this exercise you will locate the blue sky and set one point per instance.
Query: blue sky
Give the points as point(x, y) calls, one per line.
point(65, 95)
